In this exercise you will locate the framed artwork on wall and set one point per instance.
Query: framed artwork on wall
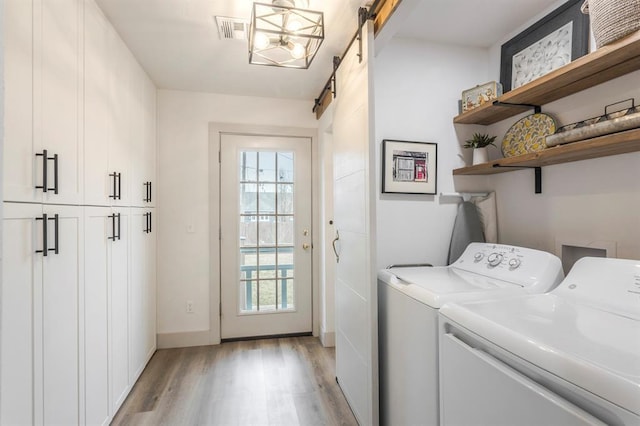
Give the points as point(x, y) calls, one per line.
point(409, 167)
point(554, 41)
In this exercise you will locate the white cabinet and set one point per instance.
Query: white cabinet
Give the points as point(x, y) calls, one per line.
point(42, 101)
point(142, 311)
point(78, 324)
point(40, 339)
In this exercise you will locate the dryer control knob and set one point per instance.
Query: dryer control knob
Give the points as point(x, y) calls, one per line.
point(514, 263)
point(494, 259)
point(478, 256)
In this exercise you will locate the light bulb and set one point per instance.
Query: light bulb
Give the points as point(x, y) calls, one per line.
point(294, 25)
point(298, 51)
point(261, 41)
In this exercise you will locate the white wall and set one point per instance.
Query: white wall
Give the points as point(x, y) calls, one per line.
point(417, 88)
point(184, 188)
point(588, 202)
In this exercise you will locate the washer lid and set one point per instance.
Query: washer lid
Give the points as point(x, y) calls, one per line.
point(436, 286)
point(594, 349)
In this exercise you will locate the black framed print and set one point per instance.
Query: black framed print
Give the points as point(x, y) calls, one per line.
point(409, 167)
point(554, 41)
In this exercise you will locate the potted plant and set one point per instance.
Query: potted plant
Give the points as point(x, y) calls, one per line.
point(479, 143)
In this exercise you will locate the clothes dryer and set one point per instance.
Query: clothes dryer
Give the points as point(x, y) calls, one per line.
point(409, 300)
point(569, 357)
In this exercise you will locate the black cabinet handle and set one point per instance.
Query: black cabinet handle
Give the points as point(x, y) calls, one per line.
point(148, 224)
point(45, 159)
point(55, 177)
point(44, 235)
point(119, 217)
point(117, 186)
point(147, 198)
point(113, 227)
point(115, 194)
point(55, 235)
point(149, 221)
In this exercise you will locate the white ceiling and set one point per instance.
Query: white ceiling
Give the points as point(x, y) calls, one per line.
point(177, 42)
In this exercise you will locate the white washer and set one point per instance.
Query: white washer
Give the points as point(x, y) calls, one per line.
point(409, 300)
point(569, 357)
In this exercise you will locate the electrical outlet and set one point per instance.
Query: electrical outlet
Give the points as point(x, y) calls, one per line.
point(190, 307)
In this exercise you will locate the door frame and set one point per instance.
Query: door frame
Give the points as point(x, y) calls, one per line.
point(215, 132)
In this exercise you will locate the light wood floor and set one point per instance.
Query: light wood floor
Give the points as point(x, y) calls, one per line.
point(288, 381)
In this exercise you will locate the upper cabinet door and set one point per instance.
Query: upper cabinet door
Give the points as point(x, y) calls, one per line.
point(150, 142)
point(20, 162)
point(43, 63)
point(120, 107)
point(99, 179)
point(57, 85)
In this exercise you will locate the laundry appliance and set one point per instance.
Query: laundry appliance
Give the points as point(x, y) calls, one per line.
point(408, 302)
point(569, 357)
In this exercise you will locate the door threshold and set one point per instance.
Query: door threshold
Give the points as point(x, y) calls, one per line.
point(270, 336)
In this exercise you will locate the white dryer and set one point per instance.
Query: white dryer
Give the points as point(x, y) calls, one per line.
point(408, 304)
point(569, 357)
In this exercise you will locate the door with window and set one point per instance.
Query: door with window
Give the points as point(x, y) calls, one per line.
point(265, 235)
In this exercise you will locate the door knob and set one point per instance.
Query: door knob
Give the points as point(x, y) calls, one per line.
point(305, 246)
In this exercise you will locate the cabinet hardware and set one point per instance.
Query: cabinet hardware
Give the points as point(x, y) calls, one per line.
point(148, 224)
point(114, 195)
point(55, 234)
point(119, 186)
point(119, 219)
point(113, 227)
point(45, 161)
point(44, 235)
point(55, 177)
point(147, 197)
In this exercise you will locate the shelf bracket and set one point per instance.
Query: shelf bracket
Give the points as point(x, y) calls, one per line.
point(537, 177)
point(536, 108)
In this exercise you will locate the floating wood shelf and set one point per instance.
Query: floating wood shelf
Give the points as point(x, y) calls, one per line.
point(606, 63)
point(613, 144)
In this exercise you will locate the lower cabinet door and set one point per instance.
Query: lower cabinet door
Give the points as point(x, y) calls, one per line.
point(99, 232)
point(119, 316)
point(40, 380)
point(21, 282)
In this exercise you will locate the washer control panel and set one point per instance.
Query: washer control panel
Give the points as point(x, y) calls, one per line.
point(521, 265)
point(497, 255)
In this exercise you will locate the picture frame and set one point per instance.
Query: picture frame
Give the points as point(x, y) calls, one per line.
point(554, 41)
point(409, 167)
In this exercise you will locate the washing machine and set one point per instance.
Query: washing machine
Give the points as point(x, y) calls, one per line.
point(408, 302)
point(568, 357)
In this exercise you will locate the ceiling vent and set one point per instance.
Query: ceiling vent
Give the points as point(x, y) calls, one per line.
point(232, 28)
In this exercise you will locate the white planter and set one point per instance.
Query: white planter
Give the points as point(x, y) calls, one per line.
point(480, 155)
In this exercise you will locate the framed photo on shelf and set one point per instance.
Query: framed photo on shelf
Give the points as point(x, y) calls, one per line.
point(554, 41)
point(409, 167)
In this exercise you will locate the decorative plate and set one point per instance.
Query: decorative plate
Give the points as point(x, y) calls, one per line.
point(528, 135)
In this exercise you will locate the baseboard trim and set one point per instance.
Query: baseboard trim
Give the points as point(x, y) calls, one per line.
point(328, 339)
point(184, 339)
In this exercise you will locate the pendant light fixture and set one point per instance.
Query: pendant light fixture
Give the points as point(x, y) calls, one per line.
point(285, 34)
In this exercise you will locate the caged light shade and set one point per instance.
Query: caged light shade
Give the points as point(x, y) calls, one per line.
point(283, 35)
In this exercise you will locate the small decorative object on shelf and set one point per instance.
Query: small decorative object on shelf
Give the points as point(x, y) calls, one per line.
point(612, 19)
point(610, 122)
point(479, 143)
point(480, 95)
point(528, 135)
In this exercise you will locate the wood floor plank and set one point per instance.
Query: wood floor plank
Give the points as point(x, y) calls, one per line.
point(286, 381)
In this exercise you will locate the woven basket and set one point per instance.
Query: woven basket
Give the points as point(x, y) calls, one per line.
point(612, 19)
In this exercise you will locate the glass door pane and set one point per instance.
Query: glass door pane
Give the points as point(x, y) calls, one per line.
point(267, 223)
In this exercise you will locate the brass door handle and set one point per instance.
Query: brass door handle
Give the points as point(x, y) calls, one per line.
point(335, 251)
point(305, 246)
